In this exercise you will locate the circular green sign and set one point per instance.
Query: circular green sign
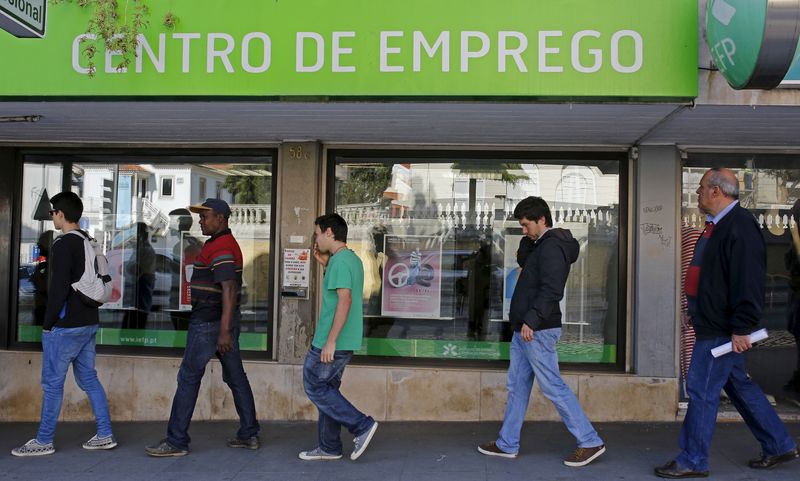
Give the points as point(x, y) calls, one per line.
point(752, 42)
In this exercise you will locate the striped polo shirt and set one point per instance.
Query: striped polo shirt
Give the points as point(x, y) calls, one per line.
point(219, 260)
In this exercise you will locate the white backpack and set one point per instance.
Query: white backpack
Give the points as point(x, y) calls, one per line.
point(94, 286)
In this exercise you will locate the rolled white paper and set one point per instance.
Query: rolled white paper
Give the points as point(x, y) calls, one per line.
point(759, 335)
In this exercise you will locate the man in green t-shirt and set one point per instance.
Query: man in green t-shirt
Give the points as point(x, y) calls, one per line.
point(339, 332)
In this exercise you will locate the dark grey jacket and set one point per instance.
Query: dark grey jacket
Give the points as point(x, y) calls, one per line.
point(545, 266)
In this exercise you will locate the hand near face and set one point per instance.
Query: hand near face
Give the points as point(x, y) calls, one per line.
point(321, 257)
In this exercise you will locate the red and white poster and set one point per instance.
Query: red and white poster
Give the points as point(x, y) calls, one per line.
point(412, 281)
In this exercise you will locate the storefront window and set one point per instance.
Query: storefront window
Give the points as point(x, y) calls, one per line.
point(438, 243)
point(769, 187)
point(150, 240)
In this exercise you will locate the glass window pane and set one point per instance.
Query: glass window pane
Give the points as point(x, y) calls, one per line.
point(769, 187)
point(39, 183)
point(151, 240)
point(438, 243)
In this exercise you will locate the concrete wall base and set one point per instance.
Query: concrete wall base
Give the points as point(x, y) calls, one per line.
point(141, 389)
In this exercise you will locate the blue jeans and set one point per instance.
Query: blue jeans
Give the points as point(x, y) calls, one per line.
point(538, 359)
point(321, 382)
point(60, 348)
point(706, 378)
point(201, 346)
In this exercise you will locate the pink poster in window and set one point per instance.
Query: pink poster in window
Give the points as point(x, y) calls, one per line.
point(412, 277)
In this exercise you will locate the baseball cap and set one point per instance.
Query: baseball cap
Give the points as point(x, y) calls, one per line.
point(217, 205)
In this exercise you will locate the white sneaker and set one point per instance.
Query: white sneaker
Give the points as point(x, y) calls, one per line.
point(361, 442)
point(317, 454)
point(34, 448)
point(96, 443)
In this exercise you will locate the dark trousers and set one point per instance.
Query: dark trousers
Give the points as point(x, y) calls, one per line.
point(706, 379)
point(321, 382)
point(201, 346)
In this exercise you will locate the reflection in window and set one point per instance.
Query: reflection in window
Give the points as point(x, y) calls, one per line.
point(769, 187)
point(439, 250)
point(150, 244)
point(166, 186)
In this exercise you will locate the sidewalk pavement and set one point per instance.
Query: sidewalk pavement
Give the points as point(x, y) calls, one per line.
point(400, 451)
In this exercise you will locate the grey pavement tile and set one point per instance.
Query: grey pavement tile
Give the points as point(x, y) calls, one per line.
point(350, 476)
point(296, 476)
point(442, 459)
point(267, 462)
point(444, 476)
point(63, 461)
point(537, 474)
point(401, 451)
point(220, 474)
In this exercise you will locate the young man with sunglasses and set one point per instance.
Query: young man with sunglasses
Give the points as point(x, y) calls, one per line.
point(68, 335)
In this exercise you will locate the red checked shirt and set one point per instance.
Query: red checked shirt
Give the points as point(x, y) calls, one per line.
point(219, 260)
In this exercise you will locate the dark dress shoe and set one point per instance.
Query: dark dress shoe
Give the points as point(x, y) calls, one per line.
point(766, 462)
point(673, 470)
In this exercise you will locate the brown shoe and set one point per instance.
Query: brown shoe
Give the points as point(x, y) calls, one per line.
point(583, 456)
point(767, 462)
point(675, 471)
point(491, 449)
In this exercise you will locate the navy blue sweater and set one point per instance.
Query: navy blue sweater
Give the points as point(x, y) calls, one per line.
point(731, 290)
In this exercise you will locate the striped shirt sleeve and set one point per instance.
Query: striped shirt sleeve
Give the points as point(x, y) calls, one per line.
point(223, 265)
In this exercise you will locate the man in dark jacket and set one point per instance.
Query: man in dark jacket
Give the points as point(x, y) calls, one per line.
point(725, 292)
point(68, 335)
point(545, 255)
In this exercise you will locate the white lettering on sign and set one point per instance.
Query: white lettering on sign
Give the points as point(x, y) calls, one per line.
point(514, 53)
point(467, 54)
point(442, 42)
point(386, 50)
point(266, 46)
point(158, 61)
point(111, 64)
point(584, 51)
point(544, 51)
point(338, 51)
point(595, 53)
point(300, 65)
point(637, 51)
point(723, 52)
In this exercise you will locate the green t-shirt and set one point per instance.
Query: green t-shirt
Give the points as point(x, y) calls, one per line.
point(344, 271)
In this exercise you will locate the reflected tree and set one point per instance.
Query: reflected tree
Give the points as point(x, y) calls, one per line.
point(364, 184)
point(249, 189)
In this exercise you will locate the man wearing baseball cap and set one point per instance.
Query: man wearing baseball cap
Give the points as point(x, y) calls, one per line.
point(213, 330)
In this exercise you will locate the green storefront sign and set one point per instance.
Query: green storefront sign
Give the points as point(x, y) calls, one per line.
point(618, 49)
point(752, 42)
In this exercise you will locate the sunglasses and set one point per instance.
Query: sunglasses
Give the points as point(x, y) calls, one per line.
point(52, 212)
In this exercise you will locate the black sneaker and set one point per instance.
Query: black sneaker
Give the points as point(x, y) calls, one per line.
point(164, 449)
point(250, 443)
